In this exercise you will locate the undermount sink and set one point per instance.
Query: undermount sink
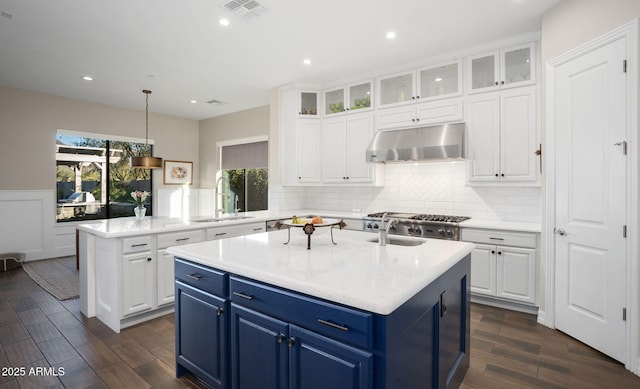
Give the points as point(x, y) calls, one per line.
point(220, 219)
point(399, 242)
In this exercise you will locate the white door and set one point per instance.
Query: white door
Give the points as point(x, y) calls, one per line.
point(590, 198)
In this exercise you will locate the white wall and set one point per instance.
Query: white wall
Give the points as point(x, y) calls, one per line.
point(28, 124)
point(244, 124)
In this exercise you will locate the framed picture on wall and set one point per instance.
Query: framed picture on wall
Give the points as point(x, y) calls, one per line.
point(178, 172)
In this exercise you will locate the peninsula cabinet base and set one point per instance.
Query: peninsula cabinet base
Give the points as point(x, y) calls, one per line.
point(233, 333)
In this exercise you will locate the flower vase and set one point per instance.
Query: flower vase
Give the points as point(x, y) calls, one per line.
point(140, 212)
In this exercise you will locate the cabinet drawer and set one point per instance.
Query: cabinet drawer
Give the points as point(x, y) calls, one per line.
point(502, 238)
point(179, 238)
point(329, 319)
point(201, 277)
point(136, 244)
point(234, 230)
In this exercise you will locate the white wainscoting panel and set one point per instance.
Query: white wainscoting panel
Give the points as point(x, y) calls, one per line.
point(28, 225)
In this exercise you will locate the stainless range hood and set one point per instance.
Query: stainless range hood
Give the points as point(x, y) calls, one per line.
point(432, 143)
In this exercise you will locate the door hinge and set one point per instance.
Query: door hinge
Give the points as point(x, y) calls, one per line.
point(624, 66)
point(624, 231)
point(624, 314)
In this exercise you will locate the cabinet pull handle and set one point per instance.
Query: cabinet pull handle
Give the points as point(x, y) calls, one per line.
point(496, 238)
point(182, 239)
point(280, 338)
point(290, 342)
point(493, 251)
point(499, 252)
point(194, 276)
point(219, 312)
point(139, 245)
point(220, 233)
point(244, 296)
point(258, 229)
point(333, 325)
point(149, 259)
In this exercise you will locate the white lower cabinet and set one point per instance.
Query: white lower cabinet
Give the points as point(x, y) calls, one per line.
point(165, 289)
point(137, 282)
point(503, 264)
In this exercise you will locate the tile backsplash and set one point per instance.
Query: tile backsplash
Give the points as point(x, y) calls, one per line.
point(437, 187)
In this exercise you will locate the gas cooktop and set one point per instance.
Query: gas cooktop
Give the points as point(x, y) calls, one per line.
point(420, 217)
point(417, 224)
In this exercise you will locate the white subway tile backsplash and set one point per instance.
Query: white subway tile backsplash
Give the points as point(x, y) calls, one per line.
point(428, 188)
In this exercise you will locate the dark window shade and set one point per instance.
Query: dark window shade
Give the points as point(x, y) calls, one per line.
point(245, 156)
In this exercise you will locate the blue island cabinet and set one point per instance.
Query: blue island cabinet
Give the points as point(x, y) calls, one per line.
point(284, 339)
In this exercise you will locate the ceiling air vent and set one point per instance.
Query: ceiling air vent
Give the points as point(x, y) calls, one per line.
point(247, 8)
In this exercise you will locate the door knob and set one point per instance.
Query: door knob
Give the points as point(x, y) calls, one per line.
point(560, 231)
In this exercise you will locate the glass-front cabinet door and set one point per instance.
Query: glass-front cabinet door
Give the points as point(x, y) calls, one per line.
point(436, 82)
point(334, 101)
point(396, 89)
point(507, 68)
point(484, 72)
point(517, 65)
point(356, 96)
point(360, 96)
point(308, 104)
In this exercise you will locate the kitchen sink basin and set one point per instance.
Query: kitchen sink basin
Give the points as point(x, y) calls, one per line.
point(220, 219)
point(399, 242)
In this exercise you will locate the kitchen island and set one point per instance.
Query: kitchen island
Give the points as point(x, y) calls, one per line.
point(350, 315)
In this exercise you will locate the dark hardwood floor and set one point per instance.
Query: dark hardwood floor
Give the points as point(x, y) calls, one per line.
point(508, 349)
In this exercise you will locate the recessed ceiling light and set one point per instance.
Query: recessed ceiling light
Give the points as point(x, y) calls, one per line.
point(223, 22)
point(391, 35)
point(438, 79)
point(306, 61)
point(87, 78)
point(193, 101)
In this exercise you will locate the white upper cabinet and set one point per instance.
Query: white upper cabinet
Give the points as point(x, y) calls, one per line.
point(308, 103)
point(502, 138)
point(506, 68)
point(441, 81)
point(428, 83)
point(348, 98)
point(345, 142)
point(396, 89)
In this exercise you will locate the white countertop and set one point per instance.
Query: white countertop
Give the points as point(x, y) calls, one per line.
point(354, 272)
point(129, 226)
point(502, 225)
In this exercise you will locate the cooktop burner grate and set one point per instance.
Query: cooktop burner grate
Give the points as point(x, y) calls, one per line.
point(421, 217)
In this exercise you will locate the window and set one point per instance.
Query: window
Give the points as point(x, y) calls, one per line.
point(94, 179)
point(245, 166)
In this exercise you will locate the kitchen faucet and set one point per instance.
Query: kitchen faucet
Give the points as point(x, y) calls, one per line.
point(217, 210)
point(383, 230)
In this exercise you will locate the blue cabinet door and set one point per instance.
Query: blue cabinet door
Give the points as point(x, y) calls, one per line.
point(259, 355)
point(318, 362)
point(201, 335)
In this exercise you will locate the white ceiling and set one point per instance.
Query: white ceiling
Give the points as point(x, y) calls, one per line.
point(177, 49)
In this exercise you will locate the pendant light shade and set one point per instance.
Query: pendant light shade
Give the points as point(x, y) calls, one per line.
point(146, 162)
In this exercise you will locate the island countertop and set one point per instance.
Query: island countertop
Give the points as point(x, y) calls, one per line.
point(355, 272)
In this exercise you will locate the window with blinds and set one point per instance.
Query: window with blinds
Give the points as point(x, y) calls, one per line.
point(245, 165)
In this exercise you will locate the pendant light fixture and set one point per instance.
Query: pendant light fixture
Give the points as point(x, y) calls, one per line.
point(146, 162)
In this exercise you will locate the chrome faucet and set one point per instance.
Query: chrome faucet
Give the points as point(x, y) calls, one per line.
point(383, 229)
point(216, 210)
